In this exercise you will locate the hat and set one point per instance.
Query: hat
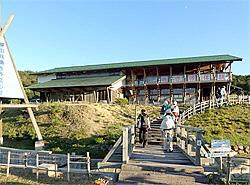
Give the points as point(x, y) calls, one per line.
point(175, 103)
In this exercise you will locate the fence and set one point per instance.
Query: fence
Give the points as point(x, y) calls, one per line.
point(190, 140)
point(42, 162)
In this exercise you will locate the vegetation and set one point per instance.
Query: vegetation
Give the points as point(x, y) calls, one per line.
point(72, 128)
point(242, 81)
point(231, 123)
point(24, 177)
point(27, 80)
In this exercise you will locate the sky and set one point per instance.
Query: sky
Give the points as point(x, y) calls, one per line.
point(56, 33)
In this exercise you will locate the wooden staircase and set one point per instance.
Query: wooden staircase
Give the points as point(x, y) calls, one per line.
point(151, 165)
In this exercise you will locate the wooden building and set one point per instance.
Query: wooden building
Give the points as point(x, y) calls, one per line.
point(181, 79)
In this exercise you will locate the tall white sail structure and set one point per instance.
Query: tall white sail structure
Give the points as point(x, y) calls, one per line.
point(9, 83)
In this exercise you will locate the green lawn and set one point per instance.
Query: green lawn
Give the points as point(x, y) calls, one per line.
point(232, 122)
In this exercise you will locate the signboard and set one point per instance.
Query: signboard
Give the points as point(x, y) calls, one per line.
point(9, 84)
point(220, 146)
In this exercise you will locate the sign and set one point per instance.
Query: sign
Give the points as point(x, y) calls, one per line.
point(9, 84)
point(218, 155)
point(220, 146)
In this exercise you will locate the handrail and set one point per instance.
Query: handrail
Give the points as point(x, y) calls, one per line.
point(183, 131)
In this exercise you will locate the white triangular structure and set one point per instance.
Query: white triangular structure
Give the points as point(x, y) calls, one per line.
point(9, 83)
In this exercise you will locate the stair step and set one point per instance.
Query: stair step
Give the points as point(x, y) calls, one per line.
point(154, 178)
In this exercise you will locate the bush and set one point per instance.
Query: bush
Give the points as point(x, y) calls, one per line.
point(121, 101)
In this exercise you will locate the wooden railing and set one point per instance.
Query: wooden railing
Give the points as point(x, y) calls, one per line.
point(126, 142)
point(190, 139)
point(51, 163)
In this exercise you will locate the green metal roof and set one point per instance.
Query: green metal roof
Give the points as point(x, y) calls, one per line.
point(78, 82)
point(200, 59)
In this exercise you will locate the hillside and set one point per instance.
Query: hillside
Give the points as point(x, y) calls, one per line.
point(231, 123)
point(72, 127)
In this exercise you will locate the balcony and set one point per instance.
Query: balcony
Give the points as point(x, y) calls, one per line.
point(178, 79)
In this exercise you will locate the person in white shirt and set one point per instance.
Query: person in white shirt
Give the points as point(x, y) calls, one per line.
point(167, 127)
point(175, 111)
point(223, 93)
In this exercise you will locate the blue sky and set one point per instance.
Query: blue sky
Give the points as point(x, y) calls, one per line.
point(55, 33)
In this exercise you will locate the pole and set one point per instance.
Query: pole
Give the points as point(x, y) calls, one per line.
point(26, 100)
point(68, 167)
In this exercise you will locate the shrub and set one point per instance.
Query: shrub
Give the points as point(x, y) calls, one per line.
point(121, 101)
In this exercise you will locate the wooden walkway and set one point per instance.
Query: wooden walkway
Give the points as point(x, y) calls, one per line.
point(151, 165)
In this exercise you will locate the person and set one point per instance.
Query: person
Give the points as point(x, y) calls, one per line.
point(223, 93)
point(166, 106)
point(167, 127)
point(143, 123)
point(218, 96)
point(175, 111)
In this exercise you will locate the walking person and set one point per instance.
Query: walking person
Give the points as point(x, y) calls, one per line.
point(167, 128)
point(143, 123)
point(166, 106)
point(223, 93)
point(175, 111)
point(218, 97)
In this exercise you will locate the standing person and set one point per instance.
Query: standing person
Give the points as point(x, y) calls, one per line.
point(175, 111)
point(167, 127)
point(166, 106)
point(143, 123)
point(223, 93)
point(218, 96)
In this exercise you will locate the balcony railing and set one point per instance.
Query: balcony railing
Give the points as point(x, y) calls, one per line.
point(190, 78)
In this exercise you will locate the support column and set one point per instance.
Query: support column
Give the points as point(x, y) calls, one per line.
point(133, 86)
point(171, 84)
point(230, 78)
point(108, 97)
point(145, 86)
point(158, 86)
point(199, 85)
point(184, 85)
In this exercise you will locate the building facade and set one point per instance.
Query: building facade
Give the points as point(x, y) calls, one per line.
point(185, 80)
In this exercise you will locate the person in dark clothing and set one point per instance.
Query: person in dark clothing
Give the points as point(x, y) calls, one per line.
point(143, 123)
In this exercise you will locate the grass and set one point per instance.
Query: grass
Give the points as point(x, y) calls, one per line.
point(72, 128)
point(26, 177)
point(232, 123)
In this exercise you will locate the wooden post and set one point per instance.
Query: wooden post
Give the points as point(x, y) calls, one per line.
point(171, 84)
point(37, 166)
point(184, 85)
point(94, 92)
point(26, 100)
point(228, 169)
point(68, 167)
point(88, 164)
point(125, 157)
point(199, 84)
point(8, 164)
point(108, 98)
point(194, 111)
point(198, 148)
